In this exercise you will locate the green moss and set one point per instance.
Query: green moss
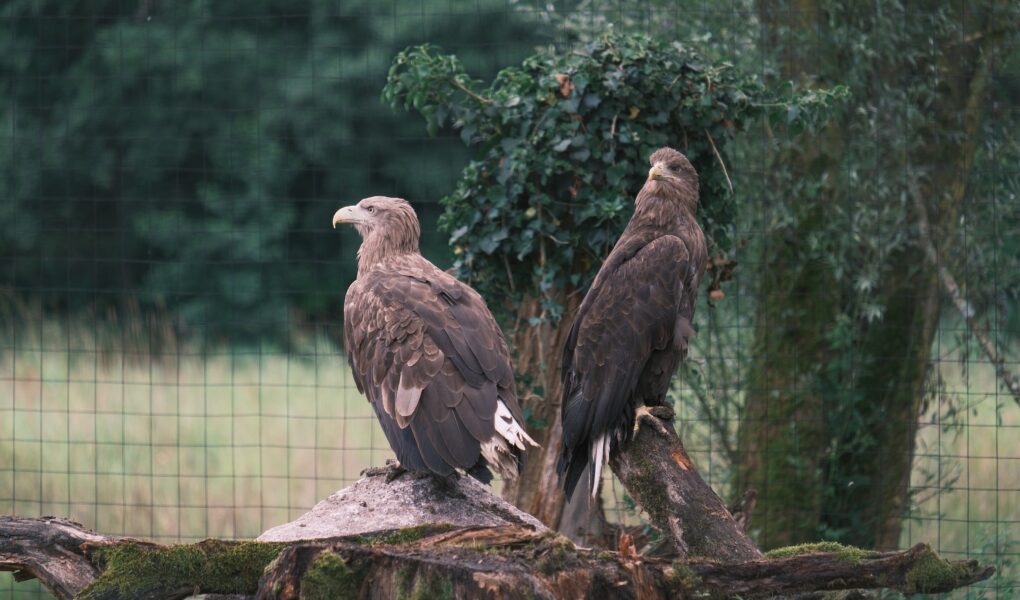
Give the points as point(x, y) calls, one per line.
point(932, 573)
point(561, 552)
point(645, 484)
point(403, 581)
point(330, 577)
point(404, 536)
point(680, 580)
point(429, 586)
point(848, 554)
point(131, 570)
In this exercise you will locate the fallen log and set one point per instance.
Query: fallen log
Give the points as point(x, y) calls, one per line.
point(440, 561)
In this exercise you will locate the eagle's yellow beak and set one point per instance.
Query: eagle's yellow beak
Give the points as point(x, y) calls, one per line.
point(656, 172)
point(348, 214)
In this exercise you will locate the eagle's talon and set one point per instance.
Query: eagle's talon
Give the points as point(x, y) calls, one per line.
point(663, 412)
point(392, 470)
point(655, 416)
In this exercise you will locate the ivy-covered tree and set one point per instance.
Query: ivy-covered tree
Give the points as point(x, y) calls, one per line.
point(561, 146)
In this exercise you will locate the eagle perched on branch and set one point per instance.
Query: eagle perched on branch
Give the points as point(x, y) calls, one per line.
point(631, 330)
point(426, 351)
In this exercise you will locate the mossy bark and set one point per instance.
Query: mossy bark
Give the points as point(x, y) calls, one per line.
point(655, 469)
point(783, 439)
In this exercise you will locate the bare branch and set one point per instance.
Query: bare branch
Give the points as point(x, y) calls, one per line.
point(1011, 381)
point(719, 158)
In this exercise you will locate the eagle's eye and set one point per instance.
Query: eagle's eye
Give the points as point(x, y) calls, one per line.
point(370, 209)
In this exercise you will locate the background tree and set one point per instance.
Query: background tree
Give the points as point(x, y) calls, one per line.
point(848, 303)
point(187, 155)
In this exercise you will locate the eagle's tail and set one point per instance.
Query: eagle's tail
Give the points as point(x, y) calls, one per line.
point(504, 451)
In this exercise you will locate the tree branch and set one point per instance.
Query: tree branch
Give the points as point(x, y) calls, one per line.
point(1011, 381)
point(49, 549)
point(719, 158)
point(662, 478)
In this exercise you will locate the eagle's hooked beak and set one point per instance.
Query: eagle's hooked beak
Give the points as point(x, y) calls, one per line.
point(348, 214)
point(656, 172)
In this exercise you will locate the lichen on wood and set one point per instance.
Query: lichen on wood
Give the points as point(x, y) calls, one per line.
point(330, 576)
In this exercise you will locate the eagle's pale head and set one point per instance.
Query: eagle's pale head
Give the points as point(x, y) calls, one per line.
point(671, 169)
point(387, 226)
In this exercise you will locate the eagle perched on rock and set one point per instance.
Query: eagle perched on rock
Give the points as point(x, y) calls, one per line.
point(631, 330)
point(426, 351)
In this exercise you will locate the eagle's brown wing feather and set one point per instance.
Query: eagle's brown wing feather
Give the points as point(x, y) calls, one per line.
point(425, 350)
point(631, 330)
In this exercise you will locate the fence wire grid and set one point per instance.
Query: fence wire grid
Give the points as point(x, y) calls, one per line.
point(171, 292)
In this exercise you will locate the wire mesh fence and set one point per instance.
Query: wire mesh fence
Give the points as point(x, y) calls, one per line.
point(171, 292)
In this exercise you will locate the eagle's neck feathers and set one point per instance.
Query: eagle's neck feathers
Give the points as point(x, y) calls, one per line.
point(663, 206)
point(382, 244)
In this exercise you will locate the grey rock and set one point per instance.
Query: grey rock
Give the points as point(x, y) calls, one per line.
point(373, 504)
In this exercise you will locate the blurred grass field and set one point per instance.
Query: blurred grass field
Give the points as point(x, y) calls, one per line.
point(153, 439)
point(177, 445)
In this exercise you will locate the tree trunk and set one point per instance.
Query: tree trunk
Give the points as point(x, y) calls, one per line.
point(538, 351)
point(783, 439)
point(902, 345)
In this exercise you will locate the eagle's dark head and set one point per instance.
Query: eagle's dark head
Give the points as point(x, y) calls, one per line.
point(387, 226)
point(674, 176)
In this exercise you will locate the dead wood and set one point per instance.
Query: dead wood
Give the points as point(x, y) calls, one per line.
point(49, 549)
point(437, 561)
point(662, 478)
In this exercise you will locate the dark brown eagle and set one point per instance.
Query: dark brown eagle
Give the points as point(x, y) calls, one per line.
point(631, 330)
point(427, 353)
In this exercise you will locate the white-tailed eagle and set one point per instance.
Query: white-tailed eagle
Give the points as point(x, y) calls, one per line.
point(631, 330)
point(426, 351)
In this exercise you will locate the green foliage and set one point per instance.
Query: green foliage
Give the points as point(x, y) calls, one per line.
point(132, 570)
point(561, 145)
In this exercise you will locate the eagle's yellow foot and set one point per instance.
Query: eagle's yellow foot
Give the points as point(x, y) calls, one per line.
point(655, 415)
point(392, 470)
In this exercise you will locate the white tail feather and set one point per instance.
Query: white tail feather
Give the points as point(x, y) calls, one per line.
point(599, 455)
point(497, 451)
